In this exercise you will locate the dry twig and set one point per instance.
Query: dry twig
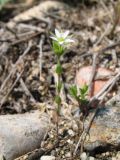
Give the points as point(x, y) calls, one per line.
point(10, 89)
point(14, 69)
point(26, 89)
point(91, 83)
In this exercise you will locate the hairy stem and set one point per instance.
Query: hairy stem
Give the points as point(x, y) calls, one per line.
point(58, 104)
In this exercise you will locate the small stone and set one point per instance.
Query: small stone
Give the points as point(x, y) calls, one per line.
point(91, 158)
point(69, 141)
point(47, 158)
point(104, 154)
point(114, 158)
point(1, 157)
point(62, 152)
point(83, 156)
point(68, 155)
point(75, 127)
point(118, 155)
point(107, 153)
point(90, 22)
point(71, 133)
point(93, 38)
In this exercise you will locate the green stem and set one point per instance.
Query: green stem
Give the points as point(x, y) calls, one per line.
point(58, 93)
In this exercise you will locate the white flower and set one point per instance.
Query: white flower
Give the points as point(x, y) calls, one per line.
point(62, 37)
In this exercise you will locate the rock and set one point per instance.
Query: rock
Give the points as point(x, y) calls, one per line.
point(69, 141)
point(91, 158)
point(104, 134)
point(21, 133)
point(71, 133)
point(118, 155)
point(83, 156)
point(84, 74)
point(47, 158)
point(1, 157)
point(107, 154)
point(68, 155)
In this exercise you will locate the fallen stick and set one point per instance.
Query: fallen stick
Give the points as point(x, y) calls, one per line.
point(94, 71)
point(26, 89)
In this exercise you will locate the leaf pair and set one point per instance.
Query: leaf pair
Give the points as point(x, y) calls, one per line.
point(81, 95)
point(58, 49)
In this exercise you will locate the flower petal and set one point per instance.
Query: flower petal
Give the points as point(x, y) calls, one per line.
point(57, 33)
point(54, 38)
point(64, 35)
point(62, 42)
point(69, 41)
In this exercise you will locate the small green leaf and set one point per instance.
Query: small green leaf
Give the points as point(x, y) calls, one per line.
point(84, 89)
point(58, 49)
point(58, 69)
point(73, 91)
point(58, 100)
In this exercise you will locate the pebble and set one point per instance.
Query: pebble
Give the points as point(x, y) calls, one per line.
point(69, 141)
point(75, 127)
point(114, 158)
point(1, 157)
point(103, 154)
point(83, 156)
point(107, 153)
point(67, 155)
point(91, 158)
point(62, 152)
point(118, 155)
point(71, 133)
point(47, 158)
